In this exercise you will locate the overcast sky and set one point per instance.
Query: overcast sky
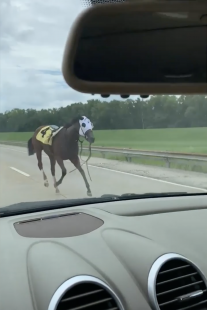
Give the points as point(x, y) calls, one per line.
point(32, 39)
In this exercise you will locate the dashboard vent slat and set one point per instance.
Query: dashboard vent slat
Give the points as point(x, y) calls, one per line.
point(176, 284)
point(195, 305)
point(168, 303)
point(178, 278)
point(91, 304)
point(85, 293)
point(173, 269)
point(81, 295)
point(179, 288)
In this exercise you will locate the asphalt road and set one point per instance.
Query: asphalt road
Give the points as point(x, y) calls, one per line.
point(21, 180)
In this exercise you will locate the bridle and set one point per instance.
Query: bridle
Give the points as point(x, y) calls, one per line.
point(80, 153)
point(89, 156)
point(81, 149)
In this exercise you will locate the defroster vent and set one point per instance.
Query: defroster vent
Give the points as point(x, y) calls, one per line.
point(175, 283)
point(85, 293)
point(87, 3)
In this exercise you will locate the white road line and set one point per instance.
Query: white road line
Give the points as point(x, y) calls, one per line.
point(131, 174)
point(17, 170)
point(8, 148)
point(148, 178)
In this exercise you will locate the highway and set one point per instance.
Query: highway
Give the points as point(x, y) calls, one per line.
point(21, 180)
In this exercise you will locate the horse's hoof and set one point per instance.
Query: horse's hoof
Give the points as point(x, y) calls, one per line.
point(57, 191)
point(89, 194)
point(46, 184)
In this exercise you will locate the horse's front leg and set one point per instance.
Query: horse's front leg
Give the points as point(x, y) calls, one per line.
point(76, 163)
point(40, 165)
point(64, 171)
point(52, 163)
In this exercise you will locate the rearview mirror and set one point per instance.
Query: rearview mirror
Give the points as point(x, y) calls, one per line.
point(144, 47)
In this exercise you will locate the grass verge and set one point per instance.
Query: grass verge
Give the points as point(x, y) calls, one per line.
point(186, 140)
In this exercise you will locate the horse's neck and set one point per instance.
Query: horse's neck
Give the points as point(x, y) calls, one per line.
point(72, 133)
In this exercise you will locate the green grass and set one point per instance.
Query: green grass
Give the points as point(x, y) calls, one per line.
point(15, 136)
point(186, 140)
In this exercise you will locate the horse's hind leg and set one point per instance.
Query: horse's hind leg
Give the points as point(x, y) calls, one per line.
point(40, 165)
point(52, 163)
point(76, 163)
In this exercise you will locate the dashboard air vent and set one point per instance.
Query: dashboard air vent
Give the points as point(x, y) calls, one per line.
point(175, 283)
point(85, 293)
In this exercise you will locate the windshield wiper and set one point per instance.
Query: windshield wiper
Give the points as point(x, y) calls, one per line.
point(39, 206)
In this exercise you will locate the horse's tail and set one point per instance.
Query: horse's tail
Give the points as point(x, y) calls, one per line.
point(30, 147)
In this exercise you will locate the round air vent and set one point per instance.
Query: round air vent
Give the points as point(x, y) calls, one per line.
point(175, 283)
point(85, 293)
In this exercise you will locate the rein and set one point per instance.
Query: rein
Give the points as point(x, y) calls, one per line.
point(89, 156)
point(86, 161)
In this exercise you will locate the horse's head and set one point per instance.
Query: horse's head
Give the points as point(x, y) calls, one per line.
point(86, 129)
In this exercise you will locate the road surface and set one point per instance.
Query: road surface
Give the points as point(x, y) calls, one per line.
point(21, 180)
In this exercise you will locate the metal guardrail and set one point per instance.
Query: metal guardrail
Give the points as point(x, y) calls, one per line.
point(193, 160)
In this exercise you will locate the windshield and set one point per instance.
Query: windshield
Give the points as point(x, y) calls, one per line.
point(57, 143)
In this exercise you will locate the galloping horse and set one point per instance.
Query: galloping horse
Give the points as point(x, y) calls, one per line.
point(64, 146)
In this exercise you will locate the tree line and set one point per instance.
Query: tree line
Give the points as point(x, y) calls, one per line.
point(156, 112)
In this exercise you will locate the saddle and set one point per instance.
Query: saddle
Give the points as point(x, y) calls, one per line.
point(47, 133)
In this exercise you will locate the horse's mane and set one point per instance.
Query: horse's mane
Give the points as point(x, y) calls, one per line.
point(73, 121)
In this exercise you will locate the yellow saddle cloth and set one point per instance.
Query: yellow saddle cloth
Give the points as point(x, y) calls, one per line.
point(45, 135)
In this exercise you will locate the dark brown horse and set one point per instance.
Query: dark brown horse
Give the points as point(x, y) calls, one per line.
point(64, 146)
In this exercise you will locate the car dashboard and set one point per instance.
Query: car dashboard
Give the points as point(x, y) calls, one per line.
point(122, 255)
